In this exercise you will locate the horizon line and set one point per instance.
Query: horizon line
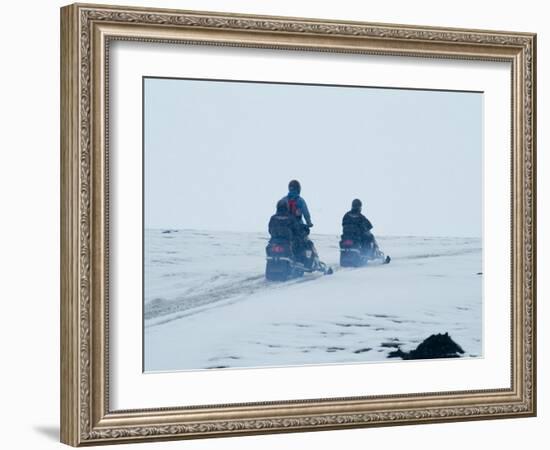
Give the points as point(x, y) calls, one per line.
point(312, 233)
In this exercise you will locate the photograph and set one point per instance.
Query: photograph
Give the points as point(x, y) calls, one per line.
point(294, 224)
point(287, 223)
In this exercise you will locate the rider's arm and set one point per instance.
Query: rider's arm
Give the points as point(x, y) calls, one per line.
point(368, 224)
point(305, 211)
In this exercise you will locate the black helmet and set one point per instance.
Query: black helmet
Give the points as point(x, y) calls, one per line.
point(282, 206)
point(294, 185)
point(356, 204)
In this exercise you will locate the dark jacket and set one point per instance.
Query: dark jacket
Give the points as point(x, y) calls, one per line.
point(283, 227)
point(355, 224)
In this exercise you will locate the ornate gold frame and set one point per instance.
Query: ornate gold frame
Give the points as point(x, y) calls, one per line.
point(86, 31)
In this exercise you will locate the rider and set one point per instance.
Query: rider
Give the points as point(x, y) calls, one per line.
point(356, 225)
point(281, 225)
point(297, 209)
point(297, 206)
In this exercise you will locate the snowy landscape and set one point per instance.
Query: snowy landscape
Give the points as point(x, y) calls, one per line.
point(207, 304)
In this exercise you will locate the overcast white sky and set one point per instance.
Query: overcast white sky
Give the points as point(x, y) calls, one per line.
point(218, 155)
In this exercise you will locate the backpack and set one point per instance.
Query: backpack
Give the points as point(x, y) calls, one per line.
point(293, 209)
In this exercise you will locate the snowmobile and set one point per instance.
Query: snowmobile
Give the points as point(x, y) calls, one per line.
point(355, 254)
point(283, 263)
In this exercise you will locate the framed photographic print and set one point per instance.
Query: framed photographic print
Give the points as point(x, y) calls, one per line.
point(275, 224)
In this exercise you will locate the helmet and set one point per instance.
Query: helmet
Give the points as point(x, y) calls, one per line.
point(356, 204)
point(282, 206)
point(294, 185)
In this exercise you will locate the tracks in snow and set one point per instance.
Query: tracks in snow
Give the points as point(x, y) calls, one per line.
point(168, 310)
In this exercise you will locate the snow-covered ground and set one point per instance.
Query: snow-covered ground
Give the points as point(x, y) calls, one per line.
point(207, 304)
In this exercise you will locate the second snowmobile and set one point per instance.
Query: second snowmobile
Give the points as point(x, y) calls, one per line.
point(354, 253)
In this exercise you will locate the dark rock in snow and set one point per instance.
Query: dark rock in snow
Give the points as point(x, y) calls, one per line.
point(392, 343)
point(363, 350)
point(436, 346)
point(334, 349)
